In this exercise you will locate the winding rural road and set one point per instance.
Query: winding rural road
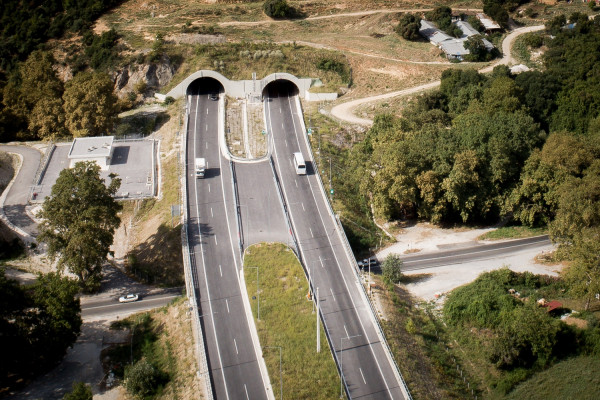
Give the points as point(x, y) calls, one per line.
point(345, 111)
point(14, 200)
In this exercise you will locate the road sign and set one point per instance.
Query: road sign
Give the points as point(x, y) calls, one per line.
point(263, 132)
point(331, 191)
point(309, 131)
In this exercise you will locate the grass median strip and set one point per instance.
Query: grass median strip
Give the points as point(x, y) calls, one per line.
point(287, 321)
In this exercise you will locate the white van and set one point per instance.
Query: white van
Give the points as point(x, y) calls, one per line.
point(299, 164)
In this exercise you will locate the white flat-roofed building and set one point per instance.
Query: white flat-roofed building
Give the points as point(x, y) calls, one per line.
point(98, 149)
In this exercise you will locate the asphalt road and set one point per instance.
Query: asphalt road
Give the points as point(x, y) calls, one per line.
point(18, 196)
point(216, 262)
point(260, 208)
point(109, 307)
point(367, 370)
point(480, 252)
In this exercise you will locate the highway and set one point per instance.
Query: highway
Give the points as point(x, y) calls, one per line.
point(213, 240)
point(368, 372)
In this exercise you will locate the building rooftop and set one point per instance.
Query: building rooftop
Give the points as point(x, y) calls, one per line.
point(432, 33)
point(467, 29)
point(99, 146)
point(487, 22)
point(454, 47)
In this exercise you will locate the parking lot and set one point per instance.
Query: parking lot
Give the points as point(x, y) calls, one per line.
point(133, 161)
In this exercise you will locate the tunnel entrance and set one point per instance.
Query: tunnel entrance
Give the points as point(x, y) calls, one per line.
point(206, 86)
point(280, 87)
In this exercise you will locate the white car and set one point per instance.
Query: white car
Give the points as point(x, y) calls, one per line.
point(128, 298)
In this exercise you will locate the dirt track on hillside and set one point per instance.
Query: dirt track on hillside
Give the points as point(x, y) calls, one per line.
point(344, 111)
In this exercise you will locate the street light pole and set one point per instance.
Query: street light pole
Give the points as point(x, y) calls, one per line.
point(280, 374)
point(257, 295)
point(342, 363)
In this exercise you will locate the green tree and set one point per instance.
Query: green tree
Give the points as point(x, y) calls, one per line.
point(47, 119)
point(408, 26)
point(58, 320)
point(441, 16)
point(578, 206)
point(464, 187)
point(37, 324)
point(79, 221)
point(90, 105)
point(391, 268)
point(583, 274)
point(80, 391)
point(142, 378)
point(277, 9)
point(477, 49)
point(535, 200)
point(39, 80)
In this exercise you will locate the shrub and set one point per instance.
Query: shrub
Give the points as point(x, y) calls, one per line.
point(80, 391)
point(327, 64)
point(142, 378)
point(277, 9)
point(391, 268)
point(408, 27)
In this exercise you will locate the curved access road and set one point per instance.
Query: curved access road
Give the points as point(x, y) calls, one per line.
point(16, 196)
point(345, 111)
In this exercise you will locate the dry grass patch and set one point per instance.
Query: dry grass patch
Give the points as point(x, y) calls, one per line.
point(163, 337)
point(287, 321)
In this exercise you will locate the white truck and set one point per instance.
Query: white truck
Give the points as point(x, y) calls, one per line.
point(200, 167)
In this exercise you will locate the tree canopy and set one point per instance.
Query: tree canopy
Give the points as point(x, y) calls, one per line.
point(408, 26)
point(79, 221)
point(37, 324)
point(90, 104)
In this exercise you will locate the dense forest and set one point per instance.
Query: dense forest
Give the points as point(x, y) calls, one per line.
point(25, 27)
point(488, 147)
point(34, 102)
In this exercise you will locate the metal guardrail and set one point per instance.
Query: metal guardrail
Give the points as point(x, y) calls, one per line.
point(238, 216)
point(350, 255)
point(189, 276)
point(285, 210)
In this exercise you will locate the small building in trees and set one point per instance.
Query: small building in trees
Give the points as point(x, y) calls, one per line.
point(454, 48)
point(98, 149)
point(488, 24)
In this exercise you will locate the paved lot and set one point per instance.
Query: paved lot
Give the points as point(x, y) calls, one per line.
point(132, 161)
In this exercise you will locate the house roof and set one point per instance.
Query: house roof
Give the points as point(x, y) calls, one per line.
point(487, 22)
point(91, 147)
point(454, 47)
point(553, 305)
point(467, 29)
point(432, 33)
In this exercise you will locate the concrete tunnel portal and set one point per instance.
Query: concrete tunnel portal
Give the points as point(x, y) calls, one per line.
point(205, 85)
